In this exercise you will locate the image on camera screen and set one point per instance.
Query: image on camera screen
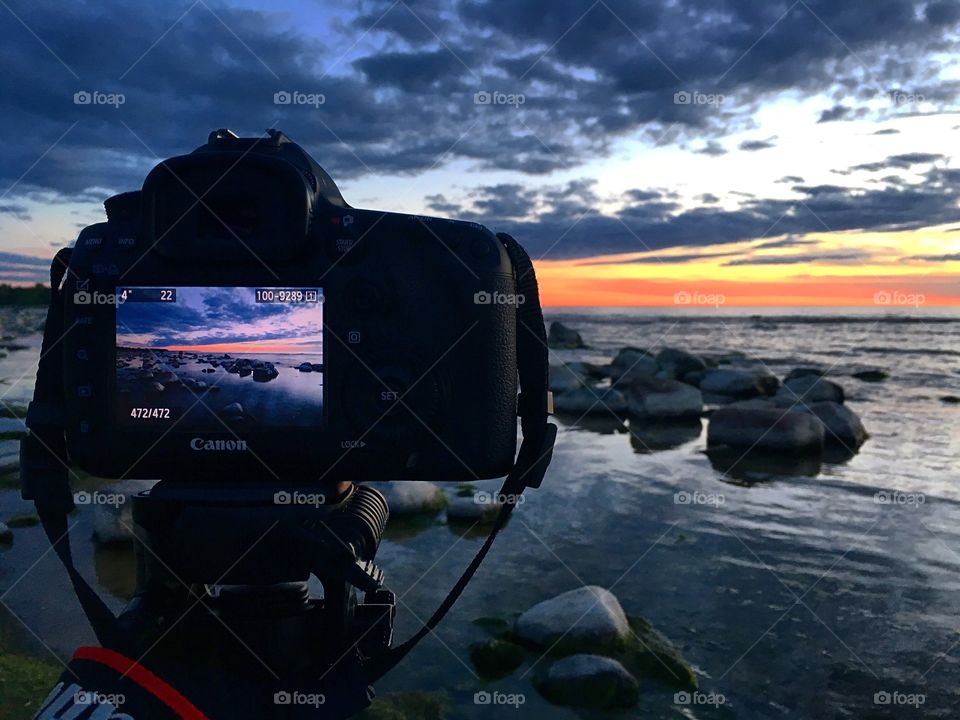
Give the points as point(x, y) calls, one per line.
point(219, 358)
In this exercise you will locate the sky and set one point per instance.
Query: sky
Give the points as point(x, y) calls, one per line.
point(705, 152)
point(221, 320)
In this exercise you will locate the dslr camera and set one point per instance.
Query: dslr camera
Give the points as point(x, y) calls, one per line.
point(236, 318)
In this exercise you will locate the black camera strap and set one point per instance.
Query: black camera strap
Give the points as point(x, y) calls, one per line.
point(43, 458)
point(536, 449)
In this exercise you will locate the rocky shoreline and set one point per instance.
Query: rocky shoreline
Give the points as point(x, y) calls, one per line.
point(756, 420)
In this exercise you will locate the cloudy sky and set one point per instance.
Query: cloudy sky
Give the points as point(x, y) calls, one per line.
point(778, 152)
point(221, 320)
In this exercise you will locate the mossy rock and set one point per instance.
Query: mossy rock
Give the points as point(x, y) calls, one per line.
point(589, 681)
point(24, 684)
point(23, 520)
point(408, 706)
point(10, 480)
point(496, 658)
point(17, 412)
point(651, 654)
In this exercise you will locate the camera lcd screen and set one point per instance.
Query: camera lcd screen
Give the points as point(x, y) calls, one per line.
point(219, 359)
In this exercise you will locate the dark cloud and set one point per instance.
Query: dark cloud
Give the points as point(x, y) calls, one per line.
point(404, 99)
point(652, 259)
point(16, 210)
point(950, 257)
point(791, 179)
point(17, 268)
point(900, 162)
point(837, 112)
point(712, 148)
point(887, 131)
point(838, 257)
point(754, 145)
point(787, 242)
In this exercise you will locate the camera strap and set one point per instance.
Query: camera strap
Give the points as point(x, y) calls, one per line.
point(43, 457)
point(536, 448)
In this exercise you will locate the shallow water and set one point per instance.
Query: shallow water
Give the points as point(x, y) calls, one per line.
point(799, 597)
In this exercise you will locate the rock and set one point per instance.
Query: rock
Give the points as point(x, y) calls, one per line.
point(409, 497)
point(305, 367)
point(871, 375)
point(808, 389)
point(24, 520)
point(656, 398)
point(631, 363)
point(563, 378)
point(265, 373)
point(587, 619)
point(560, 336)
point(651, 654)
point(478, 508)
point(677, 363)
point(738, 384)
point(589, 681)
point(208, 370)
point(166, 377)
point(113, 509)
point(804, 372)
point(950, 400)
point(694, 378)
point(6, 534)
point(496, 658)
point(591, 400)
point(649, 436)
point(841, 425)
point(766, 429)
point(234, 409)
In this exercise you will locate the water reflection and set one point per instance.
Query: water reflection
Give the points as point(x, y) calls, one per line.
point(648, 436)
point(754, 466)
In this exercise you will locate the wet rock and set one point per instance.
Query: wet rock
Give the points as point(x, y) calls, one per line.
point(649, 436)
point(564, 379)
point(738, 384)
point(6, 534)
point(562, 337)
point(677, 363)
point(589, 681)
point(694, 378)
point(803, 372)
point(410, 497)
point(305, 367)
point(154, 387)
point(209, 370)
point(477, 508)
point(650, 653)
point(871, 375)
point(113, 510)
point(265, 373)
point(630, 364)
point(807, 390)
point(950, 400)
point(766, 429)
point(166, 377)
point(587, 619)
point(496, 658)
point(591, 400)
point(234, 409)
point(841, 425)
point(659, 398)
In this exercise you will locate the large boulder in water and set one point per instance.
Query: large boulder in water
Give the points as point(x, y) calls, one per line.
point(808, 389)
point(589, 681)
point(738, 384)
point(562, 337)
point(656, 398)
point(591, 400)
point(630, 364)
point(677, 363)
point(841, 425)
point(587, 619)
point(766, 429)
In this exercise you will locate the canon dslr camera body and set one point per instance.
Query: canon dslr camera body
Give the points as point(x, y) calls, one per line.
point(237, 320)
